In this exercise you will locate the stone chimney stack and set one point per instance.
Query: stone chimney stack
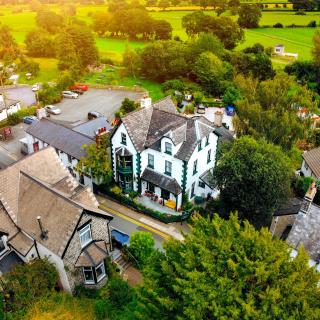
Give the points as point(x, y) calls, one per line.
point(308, 198)
point(218, 115)
point(146, 102)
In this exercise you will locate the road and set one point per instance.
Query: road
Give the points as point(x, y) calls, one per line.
point(129, 225)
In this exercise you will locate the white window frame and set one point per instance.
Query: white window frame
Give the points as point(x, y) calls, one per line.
point(4, 244)
point(82, 232)
point(168, 164)
point(103, 275)
point(123, 138)
point(168, 148)
point(150, 163)
point(92, 271)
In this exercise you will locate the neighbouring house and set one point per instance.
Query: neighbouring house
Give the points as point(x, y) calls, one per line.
point(298, 222)
point(311, 163)
point(157, 151)
point(45, 213)
point(7, 107)
point(68, 139)
point(280, 51)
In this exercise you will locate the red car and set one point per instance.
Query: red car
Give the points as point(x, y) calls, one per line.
point(79, 86)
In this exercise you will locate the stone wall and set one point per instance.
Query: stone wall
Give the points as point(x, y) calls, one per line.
point(280, 223)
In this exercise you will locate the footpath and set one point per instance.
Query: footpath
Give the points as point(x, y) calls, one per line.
point(173, 230)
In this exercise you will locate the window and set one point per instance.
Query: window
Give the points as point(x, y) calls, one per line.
point(100, 272)
point(209, 156)
point(195, 166)
point(207, 140)
point(124, 139)
point(151, 187)
point(85, 235)
point(201, 184)
point(150, 160)
point(69, 158)
point(36, 146)
point(168, 148)
point(88, 275)
point(192, 189)
point(2, 246)
point(165, 194)
point(199, 146)
point(168, 168)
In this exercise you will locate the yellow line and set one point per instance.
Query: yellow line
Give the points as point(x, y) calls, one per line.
point(138, 223)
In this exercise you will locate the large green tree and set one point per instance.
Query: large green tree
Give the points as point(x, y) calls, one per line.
point(316, 48)
point(8, 47)
point(39, 43)
point(254, 178)
point(49, 20)
point(228, 270)
point(249, 16)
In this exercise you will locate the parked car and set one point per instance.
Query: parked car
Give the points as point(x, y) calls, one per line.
point(94, 115)
point(35, 87)
point(80, 92)
point(52, 109)
point(79, 86)
point(30, 119)
point(70, 94)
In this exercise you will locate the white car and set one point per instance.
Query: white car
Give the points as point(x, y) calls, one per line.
point(52, 109)
point(35, 87)
point(70, 94)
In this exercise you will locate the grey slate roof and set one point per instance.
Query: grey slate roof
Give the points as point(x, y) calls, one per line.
point(312, 158)
point(224, 133)
point(89, 128)
point(60, 137)
point(306, 231)
point(292, 206)
point(161, 181)
point(146, 127)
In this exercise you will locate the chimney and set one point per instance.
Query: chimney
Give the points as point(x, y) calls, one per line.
point(145, 102)
point(308, 198)
point(218, 115)
point(43, 234)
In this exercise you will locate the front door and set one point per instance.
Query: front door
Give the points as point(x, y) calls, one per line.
point(165, 194)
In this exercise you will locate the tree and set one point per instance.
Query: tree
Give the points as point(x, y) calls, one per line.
point(49, 95)
point(175, 2)
point(40, 44)
point(164, 4)
point(249, 16)
point(131, 60)
point(97, 163)
point(162, 29)
point(304, 4)
point(316, 48)
point(101, 22)
point(253, 178)
point(230, 96)
point(141, 247)
point(29, 282)
point(8, 47)
point(127, 106)
point(29, 66)
point(225, 269)
point(49, 20)
point(210, 71)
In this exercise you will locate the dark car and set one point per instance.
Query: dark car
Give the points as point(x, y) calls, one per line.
point(30, 119)
point(94, 115)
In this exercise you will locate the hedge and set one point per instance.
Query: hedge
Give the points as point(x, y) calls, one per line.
point(17, 117)
point(163, 217)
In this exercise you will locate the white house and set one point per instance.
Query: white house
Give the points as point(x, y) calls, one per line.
point(157, 151)
point(7, 107)
point(68, 140)
point(45, 213)
point(311, 163)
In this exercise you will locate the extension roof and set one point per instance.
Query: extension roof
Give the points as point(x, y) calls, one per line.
point(147, 126)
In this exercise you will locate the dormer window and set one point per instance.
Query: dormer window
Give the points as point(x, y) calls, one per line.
point(207, 140)
point(85, 235)
point(124, 138)
point(168, 148)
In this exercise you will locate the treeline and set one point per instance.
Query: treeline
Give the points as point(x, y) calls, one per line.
point(131, 22)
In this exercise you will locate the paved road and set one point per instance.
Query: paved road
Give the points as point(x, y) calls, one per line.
point(128, 225)
point(104, 101)
point(24, 94)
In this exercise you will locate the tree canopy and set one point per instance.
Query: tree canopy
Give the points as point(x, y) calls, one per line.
point(249, 16)
point(254, 178)
point(229, 270)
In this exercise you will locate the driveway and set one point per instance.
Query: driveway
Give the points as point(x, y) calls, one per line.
point(104, 101)
point(22, 93)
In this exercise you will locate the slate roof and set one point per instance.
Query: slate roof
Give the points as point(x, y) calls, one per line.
point(92, 255)
point(60, 137)
point(292, 206)
point(206, 178)
point(312, 158)
point(89, 128)
point(306, 231)
point(161, 181)
point(146, 127)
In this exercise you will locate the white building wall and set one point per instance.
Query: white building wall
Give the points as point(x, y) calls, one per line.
point(116, 143)
point(307, 172)
point(203, 166)
point(14, 108)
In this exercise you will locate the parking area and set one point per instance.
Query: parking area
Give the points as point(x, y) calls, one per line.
point(104, 101)
point(22, 93)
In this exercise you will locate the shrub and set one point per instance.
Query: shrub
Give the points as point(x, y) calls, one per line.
point(174, 84)
point(17, 117)
point(116, 189)
point(29, 66)
point(312, 24)
point(100, 309)
point(278, 25)
point(2, 315)
point(133, 194)
point(49, 95)
point(141, 247)
point(119, 293)
point(300, 13)
point(189, 109)
point(301, 185)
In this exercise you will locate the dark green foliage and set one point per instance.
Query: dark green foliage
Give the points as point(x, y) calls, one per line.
point(312, 24)
point(127, 106)
point(301, 185)
point(141, 247)
point(162, 30)
point(230, 96)
point(17, 117)
point(249, 16)
point(100, 309)
point(278, 25)
point(304, 4)
point(29, 282)
point(49, 95)
point(223, 271)
point(9, 49)
point(2, 314)
point(254, 179)
point(49, 20)
point(119, 292)
point(39, 43)
point(228, 31)
point(29, 66)
point(65, 80)
point(174, 84)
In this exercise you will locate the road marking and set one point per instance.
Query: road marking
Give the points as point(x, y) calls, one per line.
point(123, 216)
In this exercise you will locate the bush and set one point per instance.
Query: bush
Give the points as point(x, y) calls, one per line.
point(100, 309)
point(133, 194)
point(29, 66)
point(49, 95)
point(312, 24)
point(65, 80)
point(120, 294)
point(141, 247)
point(174, 84)
point(301, 185)
point(2, 315)
point(189, 109)
point(300, 13)
point(278, 25)
point(17, 117)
